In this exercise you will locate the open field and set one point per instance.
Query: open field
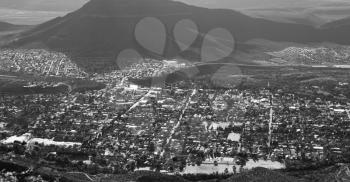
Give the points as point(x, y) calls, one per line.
point(13, 84)
point(256, 76)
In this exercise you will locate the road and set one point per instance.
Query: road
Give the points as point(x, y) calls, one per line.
point(139, 101)
point(189, 99)
point(59, 66)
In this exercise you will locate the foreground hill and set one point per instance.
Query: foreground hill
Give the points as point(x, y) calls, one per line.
point(262, 175)
point(334, 173)
point(143, 176)
point(256, 175)
point(104, 28)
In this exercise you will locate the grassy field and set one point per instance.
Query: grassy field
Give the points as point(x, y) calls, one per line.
point(14, 84)
point(252, 76)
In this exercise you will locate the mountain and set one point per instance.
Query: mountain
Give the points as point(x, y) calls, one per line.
point(309, 12)
point(42, 5)
point(104, 28)
point(342, 23)
point(68, 5)
point(34, 12)
point(4, 26)
point(9, 31)
point(265, 4)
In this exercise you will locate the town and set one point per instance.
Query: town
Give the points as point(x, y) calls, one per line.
point(172, 129)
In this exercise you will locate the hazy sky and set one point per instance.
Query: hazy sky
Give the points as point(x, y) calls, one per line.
point(253, 4)
point(37, 11)
point(68, 5)
point(32, 12)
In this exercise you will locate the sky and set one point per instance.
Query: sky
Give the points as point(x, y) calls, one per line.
point(31, 12)
point(38, 11)
point(264, 4)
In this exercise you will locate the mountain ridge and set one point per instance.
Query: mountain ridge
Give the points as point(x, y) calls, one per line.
point(338, 23)
point(4, 26)
point(106, 27)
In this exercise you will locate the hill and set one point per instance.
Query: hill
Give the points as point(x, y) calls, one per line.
point(104, 28)
point(9, 31)
point(4, 26)
point(345, 22)
point(266, 4)
point(42, 5)
point(309, 12)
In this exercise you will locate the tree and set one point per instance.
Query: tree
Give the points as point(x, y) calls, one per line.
point(151, 147)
